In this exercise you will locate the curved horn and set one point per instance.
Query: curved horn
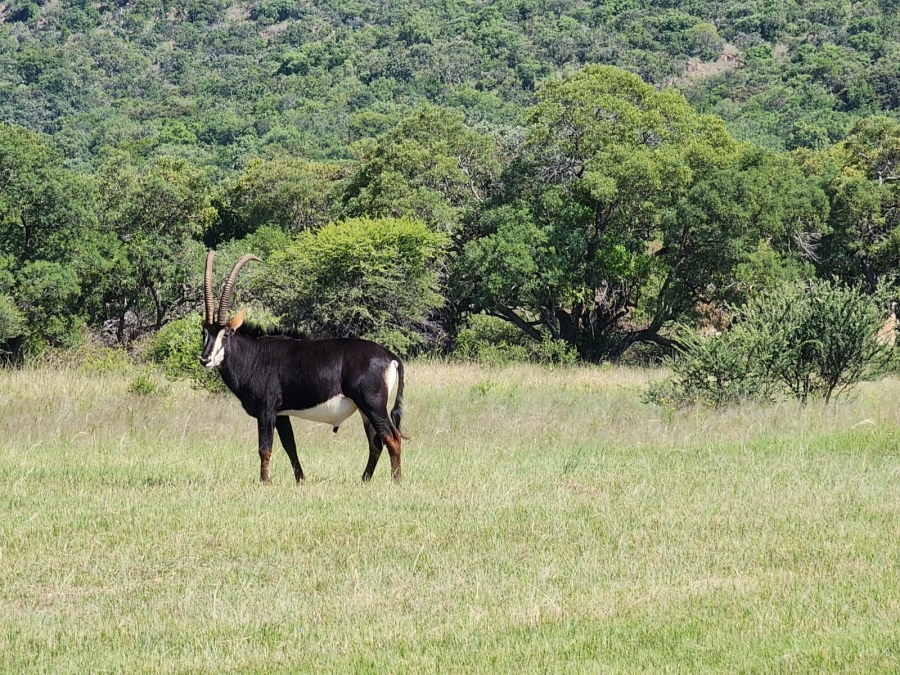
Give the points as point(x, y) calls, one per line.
point(208, 288)
point(225, 301)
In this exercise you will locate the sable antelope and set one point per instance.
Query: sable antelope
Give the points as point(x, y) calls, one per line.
point(276, 375)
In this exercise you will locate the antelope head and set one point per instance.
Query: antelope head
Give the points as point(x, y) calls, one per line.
point(217, 331)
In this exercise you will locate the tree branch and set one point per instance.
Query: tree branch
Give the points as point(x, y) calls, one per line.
point(518, 321)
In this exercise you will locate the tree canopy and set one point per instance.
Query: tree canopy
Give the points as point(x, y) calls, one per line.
point(591, 174)
point(627, 204)
point(220, 82)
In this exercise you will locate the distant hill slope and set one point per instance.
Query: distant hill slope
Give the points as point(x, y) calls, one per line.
point(218, 81)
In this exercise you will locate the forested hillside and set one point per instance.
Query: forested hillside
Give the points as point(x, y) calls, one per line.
point(218, 81)
point(586, 173)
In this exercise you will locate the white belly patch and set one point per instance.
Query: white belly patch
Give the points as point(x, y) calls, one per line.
point(333, 411)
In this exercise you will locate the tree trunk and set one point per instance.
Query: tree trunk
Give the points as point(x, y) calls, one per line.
point(649, 335)
point(120, 329)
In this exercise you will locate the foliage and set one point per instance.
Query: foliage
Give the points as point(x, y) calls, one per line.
point(494, 341)
point(554, 352)
point(152, 217)
point(624, 209)
point(11, 320)
point(488, 339)
point(861, 176)
point(601, 169)
point(818, 339)
point(806, 340)
point(143, 384)
point(99, 360)
point(286, 193)
point(48, 294)
point(176, 348)
point(713, 370)
point(430, 167)
point(222, 82)
point(47, 240)
point(360, 277)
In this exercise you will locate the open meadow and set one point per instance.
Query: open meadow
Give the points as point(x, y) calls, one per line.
point(548, 522)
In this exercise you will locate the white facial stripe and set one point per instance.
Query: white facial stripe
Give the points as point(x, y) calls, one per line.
point(333, 411)
point(218, 352)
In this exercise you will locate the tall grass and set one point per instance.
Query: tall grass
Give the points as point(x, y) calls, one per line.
point(548, 522)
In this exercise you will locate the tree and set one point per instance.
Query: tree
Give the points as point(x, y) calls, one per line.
point(430, 167)
point(861, 176)
point(47, 239)
point(152, 218)
point(360, 277)
point(624, 209)
point(289, 193)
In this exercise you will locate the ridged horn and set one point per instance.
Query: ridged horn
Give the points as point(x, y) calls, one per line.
point(208, 288)
point(225, 301)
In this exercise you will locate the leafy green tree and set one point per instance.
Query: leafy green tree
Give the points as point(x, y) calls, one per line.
point(862, 178)
point(703, 40)
point(48, 239)
point(43, 210)
point(626, 208)
point(430, 167)
point(288, 193)
point(152, 218)
point(363, 278)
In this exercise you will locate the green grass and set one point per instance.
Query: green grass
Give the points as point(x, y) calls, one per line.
point(548, 522)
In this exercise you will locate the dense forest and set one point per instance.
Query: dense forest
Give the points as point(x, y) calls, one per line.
point(560, 177)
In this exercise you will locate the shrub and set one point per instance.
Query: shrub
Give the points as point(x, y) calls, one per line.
point(714, 370)
point(818, 339)
point(557, 352)
point(177, 346)
point(493, 341)
point(364, 278)
point(12, 323)
point(490, 340)
point(144, 385)
point(98, 360)
point(805, 340)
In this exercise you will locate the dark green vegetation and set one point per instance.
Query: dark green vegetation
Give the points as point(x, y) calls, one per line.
point(803, 340)
point(590, 174)
point(219, 81)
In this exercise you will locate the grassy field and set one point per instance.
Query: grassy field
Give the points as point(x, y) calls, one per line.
point(548, 522)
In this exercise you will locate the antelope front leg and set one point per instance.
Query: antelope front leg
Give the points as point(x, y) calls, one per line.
point(266, 427)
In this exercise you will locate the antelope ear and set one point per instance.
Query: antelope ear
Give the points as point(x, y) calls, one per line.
point(236, 322)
